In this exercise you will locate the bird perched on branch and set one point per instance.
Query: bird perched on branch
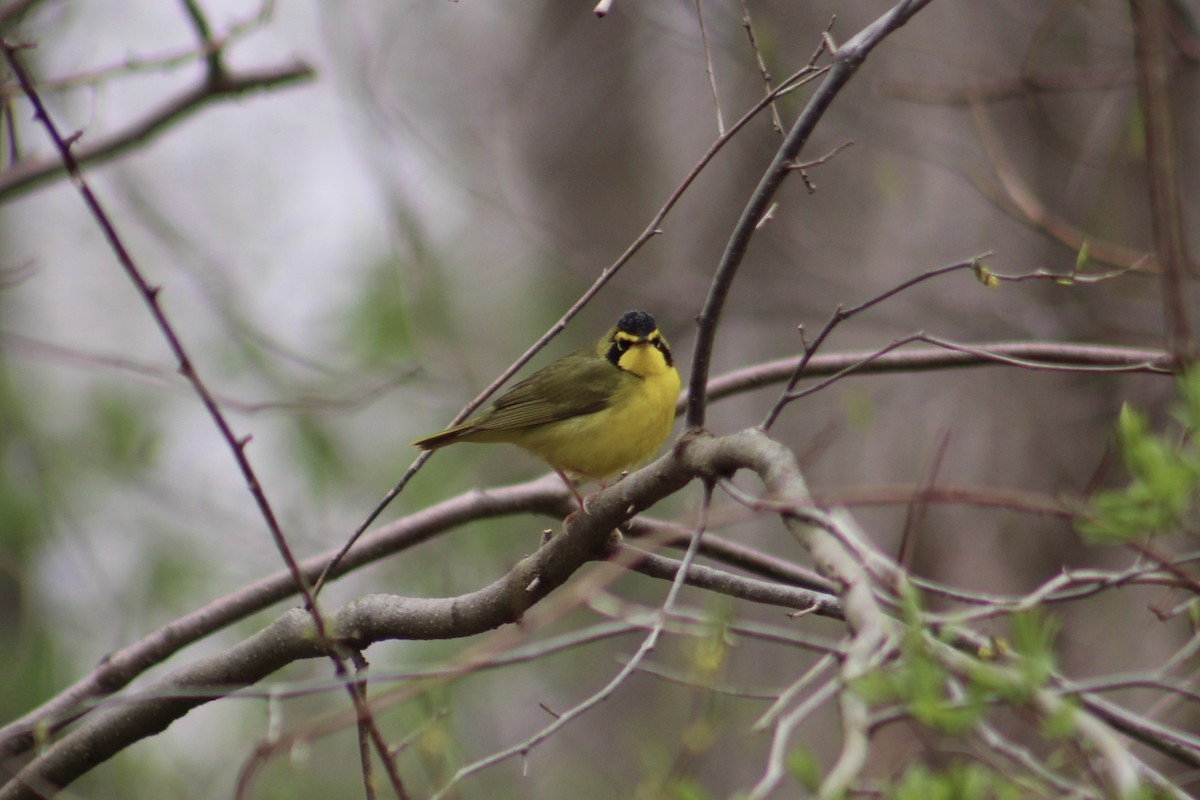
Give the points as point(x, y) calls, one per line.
point(591, 414)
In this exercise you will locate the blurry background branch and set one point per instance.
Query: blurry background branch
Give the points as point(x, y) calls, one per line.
point(219, 83)
point(1155, 53)
point(13, 11)
point(31, 173)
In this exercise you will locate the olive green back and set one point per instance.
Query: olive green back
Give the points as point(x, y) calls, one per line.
point(580, 383)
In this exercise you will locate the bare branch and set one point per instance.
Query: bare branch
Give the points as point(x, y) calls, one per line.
point(763, 71)
point(841, 314)
point(1152, 45)
point(733, 585)
point(217, 79)
point(27, 175)
point(1155, 362)
point(846, 61)
point(842, 552)
point(150, 295)
point(708, 68)
point(544, 496)
point(1014, 197)
point(379, 617)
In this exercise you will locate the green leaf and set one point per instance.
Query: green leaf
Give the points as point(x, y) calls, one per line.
point(1164, 476)
point(1081, 258)
point(957, 782)
point(687, 789)
point(877, 687)
point(805, 768)
point(1062, 723)
point(1033, 635)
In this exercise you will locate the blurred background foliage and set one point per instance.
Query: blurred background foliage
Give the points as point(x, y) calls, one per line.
point(350, 260)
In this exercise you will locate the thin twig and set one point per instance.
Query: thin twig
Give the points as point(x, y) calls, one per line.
point(821, 161)
point(916, 509)
point(1153, 49)
point(134, 65)
point(359, 686)
point(708, 68)
point(768, 718)
point(842, 314)
point(217, 79)
point(760, 62)
point(980, 353)
point(1014, 197)
point(150, 295)
point(212, 54)
point(648, 644)
point(369, 733)
point(846, 61)
point(680, 678)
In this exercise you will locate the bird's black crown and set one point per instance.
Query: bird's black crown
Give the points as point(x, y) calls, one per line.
point(638, 323)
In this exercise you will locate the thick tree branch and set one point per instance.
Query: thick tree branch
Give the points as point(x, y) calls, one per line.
point(544, 496)
point(381, 617)
point(840, 551)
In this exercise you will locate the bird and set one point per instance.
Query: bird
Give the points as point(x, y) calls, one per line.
point(591, 414)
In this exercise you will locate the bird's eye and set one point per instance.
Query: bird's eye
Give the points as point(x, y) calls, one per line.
point(622, 345)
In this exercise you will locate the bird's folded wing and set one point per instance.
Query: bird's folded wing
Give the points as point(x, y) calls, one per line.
point(580, 384)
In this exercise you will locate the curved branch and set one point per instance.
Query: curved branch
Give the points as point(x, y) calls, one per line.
point(1061, 354)
point(380, 617)
point(117, 669)
point(840, 551)
point(752, 589)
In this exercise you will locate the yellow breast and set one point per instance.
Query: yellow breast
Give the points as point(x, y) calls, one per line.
point(619, 437)
point(628, 375)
